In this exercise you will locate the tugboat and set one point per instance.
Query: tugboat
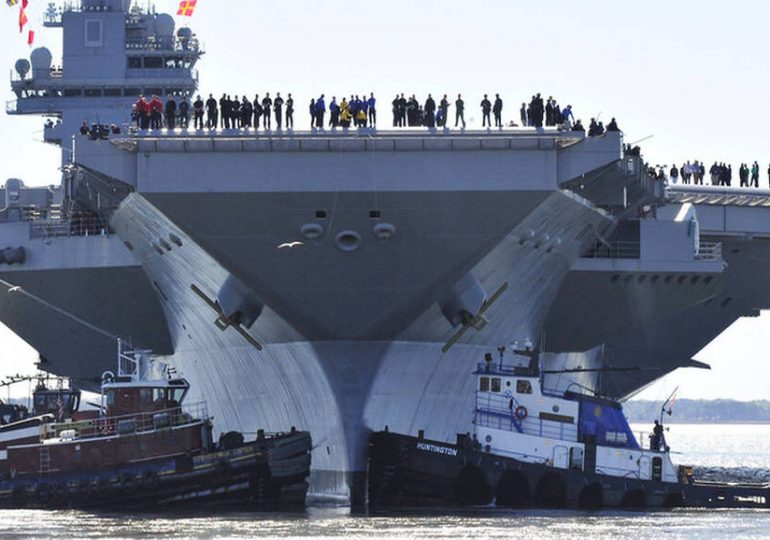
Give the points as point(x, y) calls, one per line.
point(145, 448)
point(536, 448)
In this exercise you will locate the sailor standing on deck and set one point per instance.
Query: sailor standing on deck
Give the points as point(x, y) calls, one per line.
point(290, 113)
point(198, 113)
point(278, 108)
point(430, 111)
point(311, 110)
point(334, 111)
point(142, 108)
point(156, 113)
point(320, 111)
point(372, 110)
point(212, 112)
point(267, 105)
point(235, 113)
point(184, 113)
point(674, 174)
point(497, 109)
point(246, 112)
point(223, 110)
point(656, 440)
point(486, 107)
point(170, 113)
point(523, 115)
point(402, 111)
point(257, 111)
point(459, 110)
point(444, 110)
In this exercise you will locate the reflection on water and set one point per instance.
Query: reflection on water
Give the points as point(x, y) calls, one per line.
point(339, 523)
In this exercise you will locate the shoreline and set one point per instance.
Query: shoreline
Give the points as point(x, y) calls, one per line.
point(707, 422)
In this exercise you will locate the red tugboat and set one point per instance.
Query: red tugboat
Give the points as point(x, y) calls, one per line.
point(145, 449)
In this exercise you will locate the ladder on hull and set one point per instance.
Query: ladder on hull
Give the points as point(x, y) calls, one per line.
point(45, 460)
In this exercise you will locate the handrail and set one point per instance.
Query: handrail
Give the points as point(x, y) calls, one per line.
point(139, 422)
point(627, 249)
point(621, 249)
point(58, 228)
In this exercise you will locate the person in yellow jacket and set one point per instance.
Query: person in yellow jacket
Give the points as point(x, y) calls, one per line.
point(344, 106)
point(345, 116)
point(361, 117)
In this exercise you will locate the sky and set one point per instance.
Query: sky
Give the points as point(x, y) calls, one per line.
point(690, 75)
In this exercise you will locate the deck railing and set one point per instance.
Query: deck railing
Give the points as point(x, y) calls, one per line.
point(129, 423)
point(615, 250)
point(707, 251)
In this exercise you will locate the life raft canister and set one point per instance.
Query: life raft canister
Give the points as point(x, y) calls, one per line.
point(521, 412)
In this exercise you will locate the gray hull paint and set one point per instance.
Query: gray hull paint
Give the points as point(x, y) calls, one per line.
point(340, 390)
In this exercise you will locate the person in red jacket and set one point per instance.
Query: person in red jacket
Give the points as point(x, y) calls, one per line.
point(142, 111)
point(156, 113)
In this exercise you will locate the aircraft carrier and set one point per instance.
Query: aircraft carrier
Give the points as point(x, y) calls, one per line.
point(413, 253)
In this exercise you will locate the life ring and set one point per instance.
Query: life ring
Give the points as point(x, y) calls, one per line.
point(521, 412)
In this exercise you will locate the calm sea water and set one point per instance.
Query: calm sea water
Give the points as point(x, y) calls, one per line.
point(742, 451)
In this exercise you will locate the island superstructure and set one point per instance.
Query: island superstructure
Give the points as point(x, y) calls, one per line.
point(342, 280)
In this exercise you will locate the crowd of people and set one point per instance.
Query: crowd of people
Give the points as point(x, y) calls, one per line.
point(226, 113)
point(720, 174)
point(99, 131)
point(240, 112)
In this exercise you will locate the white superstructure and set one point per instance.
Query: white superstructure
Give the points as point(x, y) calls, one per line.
point(515, 417)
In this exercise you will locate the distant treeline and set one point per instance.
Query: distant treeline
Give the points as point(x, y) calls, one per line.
point(700, 410)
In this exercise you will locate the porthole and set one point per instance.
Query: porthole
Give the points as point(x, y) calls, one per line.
point(312, 231)
point(384, 231)
point(348, 241)
point(488, 438)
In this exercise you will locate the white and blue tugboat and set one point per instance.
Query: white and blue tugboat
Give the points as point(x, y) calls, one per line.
point(531, 447)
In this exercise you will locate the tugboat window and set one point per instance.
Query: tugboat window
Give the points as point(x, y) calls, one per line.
point(145, 396)
point(523, 387)
point(484, 384)
point(495, 385)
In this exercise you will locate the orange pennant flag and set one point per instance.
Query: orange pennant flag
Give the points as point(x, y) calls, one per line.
point(22, 20)
point(187, 7)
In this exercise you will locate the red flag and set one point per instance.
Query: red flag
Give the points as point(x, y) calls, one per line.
point(22, 20)
point(186, 7)
point(24, 4)
point(31, 37)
